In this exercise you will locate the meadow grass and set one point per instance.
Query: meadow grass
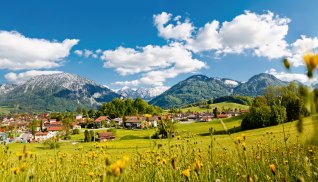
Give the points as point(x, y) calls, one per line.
point(220, 106)
point(254, 155)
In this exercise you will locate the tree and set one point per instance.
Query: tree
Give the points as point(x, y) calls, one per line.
point(166, 129)
point(33, 126)
point(215, 112)
point(91, 113)
point(278, 115)
point(88, 136)
point(84, 112)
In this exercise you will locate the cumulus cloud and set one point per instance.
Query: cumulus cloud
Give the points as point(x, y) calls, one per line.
point(18, 52)
point(156, 63)
point(179, 30)
point(88, 53)
point(24, 76)
point(263, 34)
point(290, 76)
point(302, 46)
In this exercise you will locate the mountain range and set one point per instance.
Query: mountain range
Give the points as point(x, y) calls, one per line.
point(66, 92)
point(144, 93)
point(56, 92)
point(199, 87)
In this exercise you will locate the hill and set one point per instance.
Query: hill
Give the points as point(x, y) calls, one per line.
point(200, 87)
point(192, 90)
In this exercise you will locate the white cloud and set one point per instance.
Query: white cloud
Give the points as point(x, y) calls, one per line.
point(133, 83)
point(290, 76)
point(263, 34)
point(18, 52)
point(78, 52)
point(302, 46)
point(157, 63)
point(24, 76)
point(179, 30)
point(207, 38)
point(88, 53)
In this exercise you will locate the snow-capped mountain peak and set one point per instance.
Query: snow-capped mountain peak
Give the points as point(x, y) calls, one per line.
point(144, 93)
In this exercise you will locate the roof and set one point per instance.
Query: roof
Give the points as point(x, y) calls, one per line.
point(134, 119)
point(41, 133)
point(55, 128)
point(102, 118)
point(105, 135)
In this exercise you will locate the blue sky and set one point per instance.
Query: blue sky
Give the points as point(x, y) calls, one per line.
point(45, 35)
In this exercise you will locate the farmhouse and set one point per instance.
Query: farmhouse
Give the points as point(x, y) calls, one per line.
point(100, 120)
point(134, 122)
point(104, 136)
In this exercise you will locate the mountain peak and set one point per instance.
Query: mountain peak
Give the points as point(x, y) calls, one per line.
point(57, 92)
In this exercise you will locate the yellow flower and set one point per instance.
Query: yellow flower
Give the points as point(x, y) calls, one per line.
point(197, 165)
point(115, 169)
point(272, 168)
point(118, 167)
point(20, 155)
point(15, 170)
point(91, 174)
point(23, 166)
point(186, 173)
point(311, 61)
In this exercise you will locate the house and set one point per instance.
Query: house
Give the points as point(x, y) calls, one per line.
point(55, 128)
point(104, 136)
point(206, 118)
point(40, 136)
point(78, 117)
point(52, 120)
point(154, 121)
point(223, 116)
point(101, 119)
point(118, 121)
point(134, 122)
point(75, 126)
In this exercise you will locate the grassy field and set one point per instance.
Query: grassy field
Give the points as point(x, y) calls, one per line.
point(220, 106)
point(5, 110)
point(254, 155)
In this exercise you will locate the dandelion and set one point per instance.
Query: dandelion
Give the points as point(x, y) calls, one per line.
point(23, 166)
point(311, 63)
point(19, 156)
point(197, 165)
point(15, 170)
point(90, 174)
point(186, 173)
point(272, 168)
point(115, 169)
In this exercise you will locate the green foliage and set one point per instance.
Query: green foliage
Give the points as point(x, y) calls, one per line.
point(278, 105)
point(245, 100)
point(127, 107)
point(52, 143)
point(88, 137)
point(75, 131)
point(166, 129)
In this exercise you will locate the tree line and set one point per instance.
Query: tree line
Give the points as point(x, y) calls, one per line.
point(277, 105)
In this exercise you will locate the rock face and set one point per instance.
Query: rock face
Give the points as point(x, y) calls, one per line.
point(143, 93)
point(199, 87)
point(56, 92)
point(257, 84)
